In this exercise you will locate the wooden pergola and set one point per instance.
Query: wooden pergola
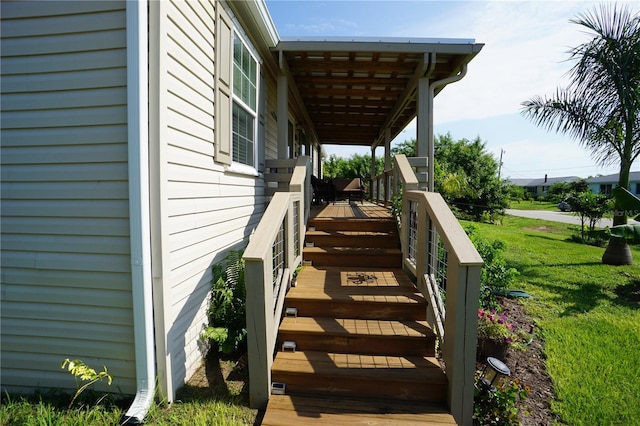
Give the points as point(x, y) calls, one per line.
point(366, 91)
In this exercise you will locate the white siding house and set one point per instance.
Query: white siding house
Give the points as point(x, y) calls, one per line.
point(66, 270)
point(68, 193)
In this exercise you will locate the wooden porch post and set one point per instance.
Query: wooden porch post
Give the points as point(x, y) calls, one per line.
point(387, 149)
point(424, 126)
point(463, 292)
point(283, 110)
point(389, 193)
point(259, 330)
point(373, 170)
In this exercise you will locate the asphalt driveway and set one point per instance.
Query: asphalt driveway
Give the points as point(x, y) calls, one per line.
point(559, 217)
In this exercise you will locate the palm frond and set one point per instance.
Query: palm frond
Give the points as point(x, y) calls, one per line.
point(601, 105)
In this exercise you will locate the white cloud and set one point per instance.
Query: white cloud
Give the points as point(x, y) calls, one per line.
point(524, 54)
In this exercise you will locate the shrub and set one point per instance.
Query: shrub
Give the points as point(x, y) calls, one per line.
point(495, 326)
point(499, 407)
point(495, 273)
point(227, 310)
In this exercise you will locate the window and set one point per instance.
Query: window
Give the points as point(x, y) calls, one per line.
point(245, 72)
point(605, 189)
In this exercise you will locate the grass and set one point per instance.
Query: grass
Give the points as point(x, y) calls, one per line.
point(217, 397)
point(588, 314)
point(533, 205)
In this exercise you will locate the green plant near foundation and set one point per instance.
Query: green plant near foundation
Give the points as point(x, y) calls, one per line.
point(227, 311)
point(82, 373)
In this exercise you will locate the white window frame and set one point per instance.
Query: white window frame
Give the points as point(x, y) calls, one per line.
point(235, 99)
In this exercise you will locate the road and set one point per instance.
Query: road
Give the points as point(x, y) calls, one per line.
point(559, 217)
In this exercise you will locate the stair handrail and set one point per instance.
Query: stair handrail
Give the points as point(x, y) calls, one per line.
point(437, 251)
point(271, 258)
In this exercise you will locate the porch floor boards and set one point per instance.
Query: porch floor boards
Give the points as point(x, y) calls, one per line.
point(342, 209)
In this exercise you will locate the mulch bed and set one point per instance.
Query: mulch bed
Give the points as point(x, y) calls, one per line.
point(529, 366)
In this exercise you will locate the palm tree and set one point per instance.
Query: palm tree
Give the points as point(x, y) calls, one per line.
point(601, 105)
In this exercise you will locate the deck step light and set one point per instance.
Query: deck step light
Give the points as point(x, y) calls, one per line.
point(291, 312)
point(492, 373)
point(277, 388)
point(288, 346)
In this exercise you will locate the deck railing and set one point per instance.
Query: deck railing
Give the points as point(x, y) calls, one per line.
point(437, 251)
point(273, 253)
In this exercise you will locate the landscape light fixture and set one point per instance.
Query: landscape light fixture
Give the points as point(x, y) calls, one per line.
point(492, 373)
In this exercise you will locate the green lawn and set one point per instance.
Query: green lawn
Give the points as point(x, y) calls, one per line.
point(589, 317)
point(533, 205)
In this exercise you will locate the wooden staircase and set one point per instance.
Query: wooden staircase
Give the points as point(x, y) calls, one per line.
point(363, 352)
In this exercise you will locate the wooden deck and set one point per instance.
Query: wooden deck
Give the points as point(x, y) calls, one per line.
point(364, 354)
point(354, 209)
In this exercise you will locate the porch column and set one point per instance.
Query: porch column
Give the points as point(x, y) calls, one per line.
point(387, 149)
point(283, 110)
point(424, 127)
point(389, 192)
point(373, 171)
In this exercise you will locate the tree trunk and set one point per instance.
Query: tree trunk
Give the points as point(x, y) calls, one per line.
point(617, 253)
point(620, 216)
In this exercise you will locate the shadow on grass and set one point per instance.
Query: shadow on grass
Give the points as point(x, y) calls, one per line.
point(581, 299)
point(629, 293)
point(223, 377)
point(583, 296)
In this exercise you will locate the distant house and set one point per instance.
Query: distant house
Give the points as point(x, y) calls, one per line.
point(604, 184)
point(540, 186)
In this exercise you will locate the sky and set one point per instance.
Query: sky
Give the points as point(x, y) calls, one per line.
point(524, 55)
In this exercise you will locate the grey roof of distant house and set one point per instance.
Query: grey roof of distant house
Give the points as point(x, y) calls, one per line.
point(541, 181)
point(633, 176)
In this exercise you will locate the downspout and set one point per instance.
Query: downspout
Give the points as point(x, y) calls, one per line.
point(139, 212)
point(430, 140)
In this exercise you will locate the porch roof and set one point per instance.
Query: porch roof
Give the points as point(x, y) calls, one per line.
point(355, 89)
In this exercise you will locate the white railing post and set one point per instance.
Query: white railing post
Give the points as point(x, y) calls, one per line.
point(459, 351)
point(289, 249)
point(259, 326)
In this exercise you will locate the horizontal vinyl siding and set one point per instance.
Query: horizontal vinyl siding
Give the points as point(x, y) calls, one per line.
point(271, 147)
point(66, 282)
point(206, 210)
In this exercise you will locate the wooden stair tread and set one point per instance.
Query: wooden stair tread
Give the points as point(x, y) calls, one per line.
point(289, 410)
point(352, 250)
point(376, 295)
point(378, 234)
point(357, 220)
point(356, 276)
point(379, 367)
point(339, 326)
point(354, 284)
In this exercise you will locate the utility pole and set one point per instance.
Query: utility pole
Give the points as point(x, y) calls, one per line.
point(500, 165)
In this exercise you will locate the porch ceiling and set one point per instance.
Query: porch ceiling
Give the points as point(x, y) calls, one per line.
point(353, 90)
